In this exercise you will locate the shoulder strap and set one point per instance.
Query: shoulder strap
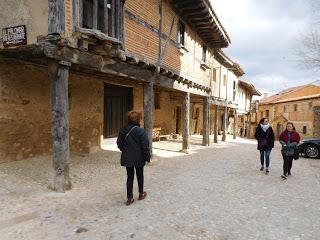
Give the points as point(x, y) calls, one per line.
point(129, 133)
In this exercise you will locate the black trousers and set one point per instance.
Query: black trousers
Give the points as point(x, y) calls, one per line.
point(130, 178)
point(287, 164)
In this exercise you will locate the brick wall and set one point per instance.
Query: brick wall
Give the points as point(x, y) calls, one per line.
point(142, 41)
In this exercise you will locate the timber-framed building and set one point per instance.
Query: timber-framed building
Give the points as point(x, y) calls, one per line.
point(71, 69)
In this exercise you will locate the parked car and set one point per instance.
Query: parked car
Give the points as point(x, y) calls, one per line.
point(310, 147)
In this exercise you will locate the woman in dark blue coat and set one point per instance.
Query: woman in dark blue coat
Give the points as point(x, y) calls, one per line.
point(265, 136)
point(134, 145)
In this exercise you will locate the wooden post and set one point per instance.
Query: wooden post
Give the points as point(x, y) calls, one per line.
point(148, 111)
point(105, 17)
point(95, 14)
point(249, 118)
point(224, 124)
point(59, 75)
point(56, 16)
point(206, 122)
point(186, 123)
point(244, 126)
point(235, 124)
point(249, 125)
point(216, 124)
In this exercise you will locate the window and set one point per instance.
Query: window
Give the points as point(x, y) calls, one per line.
point(103, 15)
point(224, 80)
point(310, 105)
point(267, 113)
point(304, 131)
point(181, 33)
point(214, 74)
point(296, 107)
point(276, 109)
point(204, 53)
point(284, 108)
point(157, 100)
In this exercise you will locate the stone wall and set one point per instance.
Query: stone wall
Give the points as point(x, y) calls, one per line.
point(25, 115)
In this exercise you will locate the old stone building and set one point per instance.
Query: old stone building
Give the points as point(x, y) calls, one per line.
point(299, 105)
point(71, 69)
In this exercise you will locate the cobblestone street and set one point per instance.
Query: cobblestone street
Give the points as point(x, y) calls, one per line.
point(213, 193)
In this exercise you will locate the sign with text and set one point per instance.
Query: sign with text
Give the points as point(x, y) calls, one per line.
point(14, 36)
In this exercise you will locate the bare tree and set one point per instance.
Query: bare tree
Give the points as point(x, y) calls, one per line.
point(309, 51)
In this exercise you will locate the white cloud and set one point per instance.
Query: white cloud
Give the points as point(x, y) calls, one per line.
point(265, 35)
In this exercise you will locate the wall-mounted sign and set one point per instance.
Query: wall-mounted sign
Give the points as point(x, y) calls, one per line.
point(14, 36)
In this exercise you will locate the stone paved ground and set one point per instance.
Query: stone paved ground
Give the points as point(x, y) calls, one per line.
point(215, 193)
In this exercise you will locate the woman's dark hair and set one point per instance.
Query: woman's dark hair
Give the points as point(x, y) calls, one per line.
point(291, 123)
point(262, 120)
point(134, 117)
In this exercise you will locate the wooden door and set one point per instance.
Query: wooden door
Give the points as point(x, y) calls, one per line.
point(117, 102)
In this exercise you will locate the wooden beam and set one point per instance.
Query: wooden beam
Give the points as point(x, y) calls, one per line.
point(186, 123)
point(98, 35)
point(216, 123)
point(206, 122)
point(56, 17)
point(148, 111)
point(59, 75)
point(186, 12)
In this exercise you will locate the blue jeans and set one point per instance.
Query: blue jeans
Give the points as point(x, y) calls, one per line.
point(265, 154)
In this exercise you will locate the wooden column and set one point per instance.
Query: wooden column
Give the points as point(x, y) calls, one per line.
point(206, 122)
point(148, 111)
point(235, 124)
point(224, 124)
point(186, 123)
point(244, 126)
point(56, 16)
point(249, 125)
point(216, 123)
point(59, 75)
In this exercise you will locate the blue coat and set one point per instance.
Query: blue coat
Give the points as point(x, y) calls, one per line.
point(135, 148)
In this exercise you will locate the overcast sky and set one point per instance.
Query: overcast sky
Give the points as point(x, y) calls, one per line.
point(265, 35)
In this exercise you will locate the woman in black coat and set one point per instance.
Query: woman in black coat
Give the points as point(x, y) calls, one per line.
point(265, 136)
point(134, 145)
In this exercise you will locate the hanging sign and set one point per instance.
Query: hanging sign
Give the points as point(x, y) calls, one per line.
point(14, 36)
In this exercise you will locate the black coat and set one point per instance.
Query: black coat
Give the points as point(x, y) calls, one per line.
point(134, 148)
point(268, 135)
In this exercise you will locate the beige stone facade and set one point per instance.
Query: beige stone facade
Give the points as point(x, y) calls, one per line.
point(297, 105)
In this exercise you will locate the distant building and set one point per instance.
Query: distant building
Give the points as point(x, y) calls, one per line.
point(300, 105)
